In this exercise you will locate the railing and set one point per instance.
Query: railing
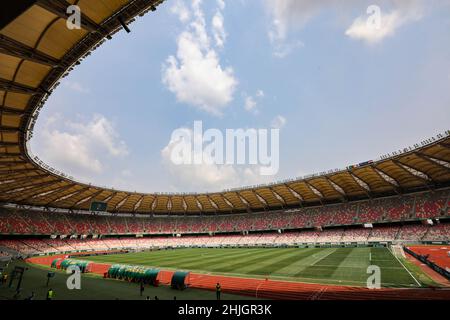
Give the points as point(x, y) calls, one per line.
point(429, 263)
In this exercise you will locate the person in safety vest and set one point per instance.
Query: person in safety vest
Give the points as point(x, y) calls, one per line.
point(50, 294)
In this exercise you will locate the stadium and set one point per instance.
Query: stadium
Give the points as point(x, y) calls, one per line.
point(311, 238)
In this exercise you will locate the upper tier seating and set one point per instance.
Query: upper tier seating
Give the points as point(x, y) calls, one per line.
point(401, 208)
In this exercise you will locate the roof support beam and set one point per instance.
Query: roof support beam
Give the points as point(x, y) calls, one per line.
point(57, 193)
point(198, 203)
point(137, 205)
point(10, 171)
point(31, 186)
point(9, 154)
point(228, 202)
point(441, 163)
point(8, 144)
point(11, 110)
point(261, 200)
point(445, 145)
point(213, 204)
point(8, 129)
point(36, 193)
point(70, 196)
point(357, 181)
point(59, 8)
point(278, 197)
point(11, 163)
point(394, 183)
point(122, 202)
point(12, 86)
point(295, 194)
point(110, 197)
point(338, 189)
point(421, 175)
point(15, 176)
point(17, 49)
point(27, 195)
point(17, 183)
point(314, 190)
point(86, 199)
point(434, 157)
point(154, 204)
point(13, 9)
point(244, 202)
point(184, 204)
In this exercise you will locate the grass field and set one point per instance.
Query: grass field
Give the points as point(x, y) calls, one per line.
point(341, 266)
point(95, 288)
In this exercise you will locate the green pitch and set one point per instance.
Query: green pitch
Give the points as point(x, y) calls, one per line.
point(340, 266)
point(96, 288)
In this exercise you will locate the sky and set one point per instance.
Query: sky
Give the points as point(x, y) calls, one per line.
point(343, 82)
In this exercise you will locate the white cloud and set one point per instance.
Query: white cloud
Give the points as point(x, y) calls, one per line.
point(288, 16)
point(179, 8)
point(282, 49)
point(251, 103)
point(278, 122)
point(388, 24)
point(221, 4)
point(78, 148)
point(76, 86)
point(219, 29)
point(195, 75)
point(209, 177)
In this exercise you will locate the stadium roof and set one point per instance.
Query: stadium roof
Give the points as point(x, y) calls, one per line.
point(37, 49)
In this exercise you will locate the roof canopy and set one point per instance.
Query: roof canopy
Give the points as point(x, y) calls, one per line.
point(37, 49)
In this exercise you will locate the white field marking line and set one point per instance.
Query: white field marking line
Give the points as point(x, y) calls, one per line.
point(418, 283)
point(370, 257)
point(321, 258)
point(272, 277)
point(354, 266)
point(256, 295)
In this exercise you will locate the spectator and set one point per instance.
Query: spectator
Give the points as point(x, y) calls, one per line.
point(218, 290)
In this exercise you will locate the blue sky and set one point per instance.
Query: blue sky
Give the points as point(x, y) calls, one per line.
point(339, 92)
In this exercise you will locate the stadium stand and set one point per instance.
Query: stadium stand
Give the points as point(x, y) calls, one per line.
point(427, 206)
point(384, 233)
point(438, 232)
point(406, 233)
point(412, 232)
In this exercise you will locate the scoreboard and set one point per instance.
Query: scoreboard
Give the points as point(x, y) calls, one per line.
point(98, 206)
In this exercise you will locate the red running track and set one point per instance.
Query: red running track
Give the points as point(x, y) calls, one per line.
point(437, 254)
point(282, 290)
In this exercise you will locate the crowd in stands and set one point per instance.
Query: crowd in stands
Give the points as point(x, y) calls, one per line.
point(392, 209)
point(440, 232)
point(416, 232)
point(419, 232)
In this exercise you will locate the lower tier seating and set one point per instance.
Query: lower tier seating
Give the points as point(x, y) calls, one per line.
point(415, 232)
